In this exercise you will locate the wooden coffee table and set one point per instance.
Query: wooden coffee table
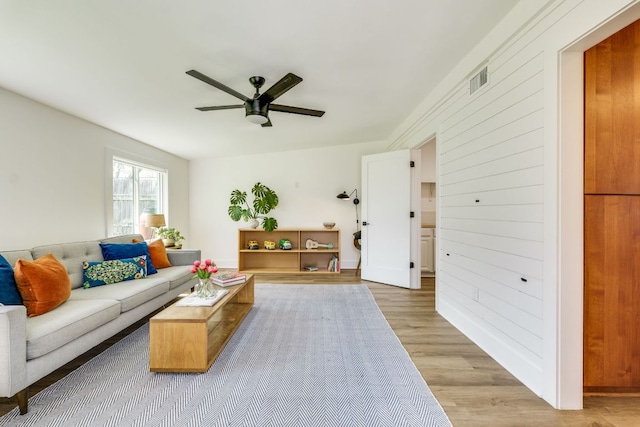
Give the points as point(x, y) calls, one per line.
point(189, 339)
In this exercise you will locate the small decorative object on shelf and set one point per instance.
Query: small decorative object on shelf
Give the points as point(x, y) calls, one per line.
point(203, 271)
point(312, 244)
point(269, 244)
point(329, 225)
point(285, 244)
point(253, 244)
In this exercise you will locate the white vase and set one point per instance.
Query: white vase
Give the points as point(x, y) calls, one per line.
point(253, 223)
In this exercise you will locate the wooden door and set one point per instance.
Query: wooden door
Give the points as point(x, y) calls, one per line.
point(390, 237)
point(612, 297)
point(612, 213)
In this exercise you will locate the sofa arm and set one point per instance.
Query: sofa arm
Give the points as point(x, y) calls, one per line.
point(13, 349)
point(183, 256)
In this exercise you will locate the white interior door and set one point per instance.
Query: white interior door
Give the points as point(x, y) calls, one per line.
point(390, 237)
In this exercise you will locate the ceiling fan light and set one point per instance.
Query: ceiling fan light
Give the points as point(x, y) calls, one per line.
point(257, 119)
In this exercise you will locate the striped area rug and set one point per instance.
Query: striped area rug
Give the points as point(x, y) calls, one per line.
point(306, 355)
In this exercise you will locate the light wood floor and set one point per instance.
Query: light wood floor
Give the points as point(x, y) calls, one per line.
point(471, 387)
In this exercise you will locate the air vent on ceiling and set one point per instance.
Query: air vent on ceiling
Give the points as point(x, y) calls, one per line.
point(479, 80)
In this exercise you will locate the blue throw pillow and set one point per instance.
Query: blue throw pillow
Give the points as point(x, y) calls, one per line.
point(113, 251)
point(9, 294)
point(113, 271)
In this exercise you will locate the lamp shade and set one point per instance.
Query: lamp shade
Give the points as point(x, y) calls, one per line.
point(155, 220)
point(257, 119)
point(344, 196)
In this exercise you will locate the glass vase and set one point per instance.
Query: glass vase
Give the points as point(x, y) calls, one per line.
point(204, 288)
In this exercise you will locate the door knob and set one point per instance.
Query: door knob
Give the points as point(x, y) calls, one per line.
point(365, 223)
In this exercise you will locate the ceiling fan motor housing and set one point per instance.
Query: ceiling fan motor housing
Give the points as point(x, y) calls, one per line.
point(253, 108)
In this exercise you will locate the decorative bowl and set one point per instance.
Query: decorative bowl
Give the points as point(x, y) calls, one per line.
point(329, 225)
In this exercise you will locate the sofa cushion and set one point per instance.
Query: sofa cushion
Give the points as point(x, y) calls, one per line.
point(9, 294)
point(114, 271)
point(72, 255)
point(43, 284)
point(66, 323)
point(158, 253)
point(176, 275)
point(111, 251)
point(130, 294)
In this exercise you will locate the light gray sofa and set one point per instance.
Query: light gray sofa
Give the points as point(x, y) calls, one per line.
point(33, 347)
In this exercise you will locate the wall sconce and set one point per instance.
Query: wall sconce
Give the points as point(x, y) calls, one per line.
point(344, 196)
point(155, 221)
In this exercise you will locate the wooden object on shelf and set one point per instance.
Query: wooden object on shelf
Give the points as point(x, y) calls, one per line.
point(294, 260)
point(189, 339)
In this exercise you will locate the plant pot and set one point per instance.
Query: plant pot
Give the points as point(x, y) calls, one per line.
point(253, 223)
point(168, 242)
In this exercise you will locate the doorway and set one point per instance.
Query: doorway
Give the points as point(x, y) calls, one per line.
point(428, 209)
point(565, 298)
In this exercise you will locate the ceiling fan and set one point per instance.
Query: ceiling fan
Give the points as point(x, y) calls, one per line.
point(257, 108)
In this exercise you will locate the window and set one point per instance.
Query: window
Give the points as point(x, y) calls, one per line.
point(137, 189)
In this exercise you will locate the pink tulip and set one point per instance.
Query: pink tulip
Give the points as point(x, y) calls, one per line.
point(196, 263)
point(194, 270)
point(215, 269)
point(207, 261)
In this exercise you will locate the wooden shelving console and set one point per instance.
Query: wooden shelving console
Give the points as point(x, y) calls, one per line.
point(294, 260)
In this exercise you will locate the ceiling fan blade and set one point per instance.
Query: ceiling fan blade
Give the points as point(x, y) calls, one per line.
point(280, 87)
point(267, 124)
point(219, 107)
point(216, 84)
point(296, 110)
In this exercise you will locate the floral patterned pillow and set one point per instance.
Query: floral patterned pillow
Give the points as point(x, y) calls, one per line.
point(113, 271)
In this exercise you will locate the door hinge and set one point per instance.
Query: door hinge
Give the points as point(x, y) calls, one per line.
point(411, 264)
point(411, 214)
point(412, 164)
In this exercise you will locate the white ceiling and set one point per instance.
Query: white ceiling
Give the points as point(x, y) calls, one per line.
point(121, 64)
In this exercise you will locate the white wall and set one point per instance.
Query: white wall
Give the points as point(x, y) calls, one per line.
point(428, 153)
point(499, 277)
point(306, 181)
point(53, 179)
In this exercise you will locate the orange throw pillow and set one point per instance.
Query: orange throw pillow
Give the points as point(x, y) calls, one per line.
point(43, 284)
point(158, 253)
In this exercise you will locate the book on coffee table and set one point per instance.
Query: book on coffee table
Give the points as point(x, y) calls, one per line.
point(228, 278)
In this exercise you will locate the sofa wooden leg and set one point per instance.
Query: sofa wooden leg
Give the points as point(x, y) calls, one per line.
point(23, 399)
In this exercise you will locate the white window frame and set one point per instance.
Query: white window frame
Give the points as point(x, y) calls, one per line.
point(132, 160)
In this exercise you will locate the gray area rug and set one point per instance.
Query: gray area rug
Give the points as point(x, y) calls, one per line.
point(306, 355)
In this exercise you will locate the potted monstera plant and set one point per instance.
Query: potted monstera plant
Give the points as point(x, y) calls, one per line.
point(264, 201)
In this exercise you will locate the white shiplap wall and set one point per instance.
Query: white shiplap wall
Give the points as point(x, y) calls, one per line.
point(491, 206)
point(491, 164)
